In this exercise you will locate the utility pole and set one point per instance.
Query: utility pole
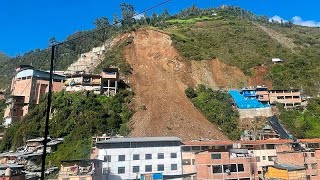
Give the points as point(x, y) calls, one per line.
point(46, 130)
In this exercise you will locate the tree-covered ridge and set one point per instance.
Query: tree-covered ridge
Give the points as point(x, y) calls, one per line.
point(303, 123)
point(3, 57)
point(217, 107)
point(76, 117)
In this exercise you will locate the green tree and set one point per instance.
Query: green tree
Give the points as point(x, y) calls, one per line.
point(127, 12)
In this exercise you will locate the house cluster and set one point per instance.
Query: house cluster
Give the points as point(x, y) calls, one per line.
point(25, 163)
point(171, 158)
point(257, 101)
point(30, 84)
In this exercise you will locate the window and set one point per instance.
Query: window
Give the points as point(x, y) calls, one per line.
point(314, 166)
point(136, 157)
point(186, 162)
point(160, 167)
point(271, 158)
point(258, 158)
point(173, 155)
point(305, 155)
point(270, 146)
point(174, 167)
point(107, 158)
point(106, 170)
point(306, 166)
point(121, 158)
point(160, 155)
point(216, 169)
point(148, 156)
point(312, 155)
point(148, 168)
point(215, 156)
point(136, 169)
point(263, 158)
point(240, 168)
point(185, 148)
point(195, 148)
point(121, 170)
point(230, 168)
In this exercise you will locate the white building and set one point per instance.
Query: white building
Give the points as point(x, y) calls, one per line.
point(140, 158)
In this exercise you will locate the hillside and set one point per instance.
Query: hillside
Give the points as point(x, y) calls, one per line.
point(159, 59)
point(3, 57)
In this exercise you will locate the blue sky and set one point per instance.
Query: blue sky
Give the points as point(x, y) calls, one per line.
point(27, 25)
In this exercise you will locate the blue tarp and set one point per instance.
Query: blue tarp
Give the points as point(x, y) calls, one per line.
point(243, 102)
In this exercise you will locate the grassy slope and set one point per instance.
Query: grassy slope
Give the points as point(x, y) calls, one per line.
point(236, 42)
point(239, 42)
point(217, 107)
point(303, 123)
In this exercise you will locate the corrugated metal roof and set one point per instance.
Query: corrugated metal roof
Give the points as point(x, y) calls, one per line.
point(139, 139)
point(289, 167)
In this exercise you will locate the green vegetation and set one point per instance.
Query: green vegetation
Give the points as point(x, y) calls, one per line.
point(303, 123)
point(76, 118)
point(2, 107)
point(217, 107)
point(3, 57)
point(114, 58)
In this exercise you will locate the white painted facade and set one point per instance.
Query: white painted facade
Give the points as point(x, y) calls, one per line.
point(140, 147)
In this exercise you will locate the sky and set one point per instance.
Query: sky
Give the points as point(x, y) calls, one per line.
point(29, 24)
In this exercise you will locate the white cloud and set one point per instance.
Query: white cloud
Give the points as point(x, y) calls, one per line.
point(296, 20)
point(277, 19)
point(299, 21)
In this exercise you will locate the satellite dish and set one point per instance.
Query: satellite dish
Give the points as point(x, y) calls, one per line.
point(228, 171)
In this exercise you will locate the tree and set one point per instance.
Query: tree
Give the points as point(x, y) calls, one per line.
point(102, 22)
point(165, 14)
point(127, 12)
point(103, 25)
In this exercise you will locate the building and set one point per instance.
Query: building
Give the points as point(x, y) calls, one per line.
point(104, 83)
point(289, 98)
point(141, 158)
point(276, 60)
point(27, 87)
point(90, 169)
point(83, 82)
point(252, 102)
point(285, 172)
point(231, 164)
point(12, 172)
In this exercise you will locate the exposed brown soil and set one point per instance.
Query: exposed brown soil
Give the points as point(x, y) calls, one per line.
point(260, 73)
point(159, 79)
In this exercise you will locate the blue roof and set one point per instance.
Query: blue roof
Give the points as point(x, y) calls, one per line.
point(245, 102)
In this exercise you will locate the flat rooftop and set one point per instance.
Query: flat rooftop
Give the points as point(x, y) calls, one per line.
point(139, 139)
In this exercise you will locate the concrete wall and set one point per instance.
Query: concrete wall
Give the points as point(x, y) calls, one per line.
point(257, 112)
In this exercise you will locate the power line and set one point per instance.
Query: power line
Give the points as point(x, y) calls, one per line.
point(52, 59)
point(114, 23)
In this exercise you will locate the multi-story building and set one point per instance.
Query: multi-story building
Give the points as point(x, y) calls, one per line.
point(141, 158)
point(104, 83)
point(289, 98)
point(28, 86)
point(81, 170)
